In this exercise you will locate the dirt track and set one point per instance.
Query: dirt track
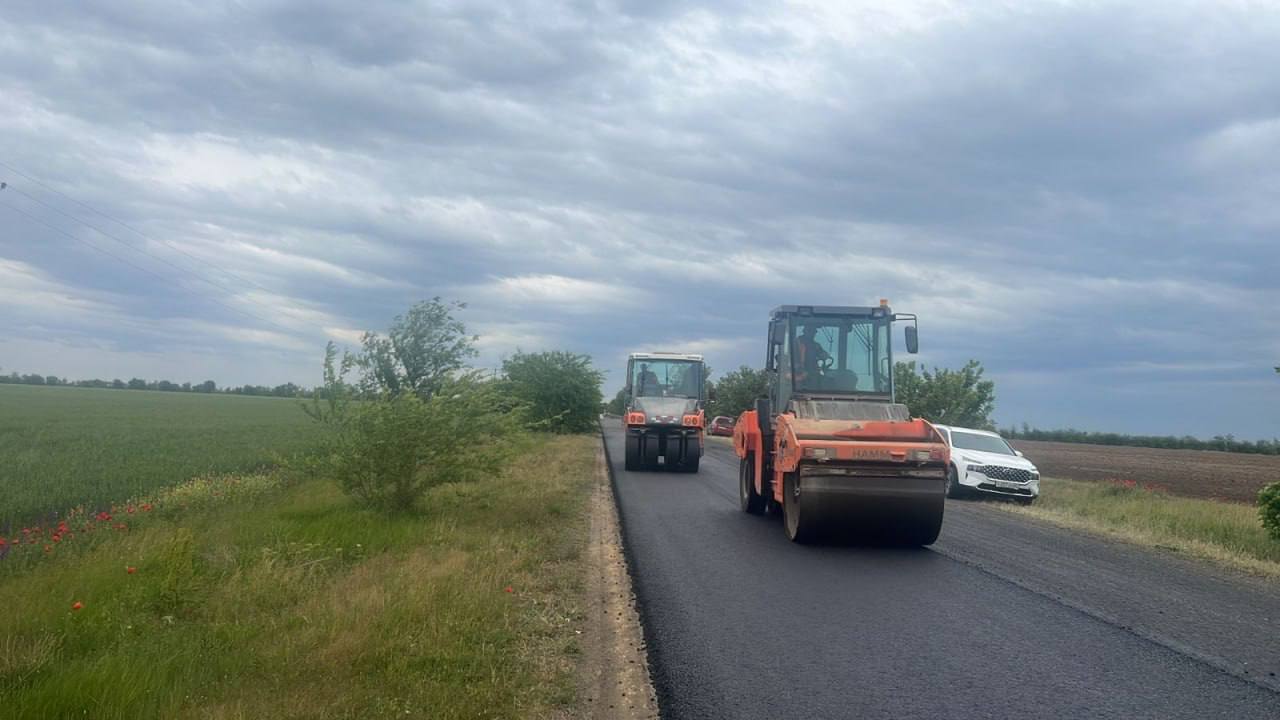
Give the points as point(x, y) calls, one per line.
point(1236, 477)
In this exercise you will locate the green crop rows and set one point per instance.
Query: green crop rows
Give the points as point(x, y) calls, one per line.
point(61, 447)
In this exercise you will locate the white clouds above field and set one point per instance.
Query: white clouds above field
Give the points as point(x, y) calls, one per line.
point(1079, 194)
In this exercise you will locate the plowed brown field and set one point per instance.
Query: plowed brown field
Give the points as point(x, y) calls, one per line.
point(1236, 477)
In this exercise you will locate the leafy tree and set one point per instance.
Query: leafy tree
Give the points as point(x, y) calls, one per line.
point(618, 404)
point(1269, 509)
point(561, 389)
point(328, 404)
point(207, 386)
point(137, 384)
point(420, 352)
point(737, 391)
point(950, 397)
point(394, 449)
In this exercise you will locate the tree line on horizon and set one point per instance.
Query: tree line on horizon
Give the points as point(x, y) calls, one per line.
point(287, 390)
point(1224, 443)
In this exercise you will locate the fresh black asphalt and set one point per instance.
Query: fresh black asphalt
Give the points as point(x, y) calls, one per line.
point(1002, 618)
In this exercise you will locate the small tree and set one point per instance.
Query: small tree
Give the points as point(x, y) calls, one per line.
point(392, 450)
point(737, 391)
point(421, 350)
point(951, 397)
point(1269, 509)
point(618, 404)
point(560, 389)
point(328, 403)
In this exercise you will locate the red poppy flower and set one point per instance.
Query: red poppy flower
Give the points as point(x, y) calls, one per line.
point(131, 570)
point(77, 605)
point(509, 589)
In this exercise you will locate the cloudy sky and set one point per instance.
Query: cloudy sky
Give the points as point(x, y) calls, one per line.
point(1085, 196)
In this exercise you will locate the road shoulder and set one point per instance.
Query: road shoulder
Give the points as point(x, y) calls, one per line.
point(613, 670)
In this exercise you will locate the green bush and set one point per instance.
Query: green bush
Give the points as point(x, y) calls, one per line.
point(952, 397)
point(1269, 509)
point(392, 450)
point(561, 389)
point(737, 391)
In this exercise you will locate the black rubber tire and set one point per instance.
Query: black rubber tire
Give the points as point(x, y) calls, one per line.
point(690, 465)
point(927, 527)
point(633, 463)
point(799, 524)
point(649, 453)
point(749, 500)
point(954, 488)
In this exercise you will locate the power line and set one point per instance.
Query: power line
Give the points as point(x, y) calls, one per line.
point(132, 264)
point(129, 245)
point(132, 229)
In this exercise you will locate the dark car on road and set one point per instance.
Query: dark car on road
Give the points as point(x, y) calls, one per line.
point(721, 425)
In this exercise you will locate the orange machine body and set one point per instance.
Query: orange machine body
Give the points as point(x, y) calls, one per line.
point(875, 445)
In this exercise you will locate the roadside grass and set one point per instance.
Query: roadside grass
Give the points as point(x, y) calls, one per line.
point(63, 446)
point(1227, 533)
point(298, 604)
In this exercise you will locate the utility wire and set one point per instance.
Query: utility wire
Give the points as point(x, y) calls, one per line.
point(132, 264)
point(132, 229)
point(125, 243)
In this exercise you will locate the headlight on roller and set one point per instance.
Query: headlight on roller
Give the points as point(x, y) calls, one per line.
point(920, 455)
point(817, 453)
point(691, 420)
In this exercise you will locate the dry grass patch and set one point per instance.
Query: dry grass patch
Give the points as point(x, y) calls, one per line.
point(1222, 532)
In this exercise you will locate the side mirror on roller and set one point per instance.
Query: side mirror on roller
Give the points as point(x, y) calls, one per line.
point(913, 339)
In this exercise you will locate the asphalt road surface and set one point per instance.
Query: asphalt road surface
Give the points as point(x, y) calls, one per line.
point(1002, 618)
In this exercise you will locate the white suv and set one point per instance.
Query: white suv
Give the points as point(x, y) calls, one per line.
point(983, 462)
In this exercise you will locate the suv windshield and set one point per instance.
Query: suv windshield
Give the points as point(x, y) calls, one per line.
point(666, 378)
point(981, 443)
point(840, 354)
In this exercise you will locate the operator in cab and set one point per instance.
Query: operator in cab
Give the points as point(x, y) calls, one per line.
point(647, 383)
point(809, 355)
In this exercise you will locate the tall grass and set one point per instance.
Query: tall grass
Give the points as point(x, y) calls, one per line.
point(63, 446)
point(1226, 532)
point(299, 604)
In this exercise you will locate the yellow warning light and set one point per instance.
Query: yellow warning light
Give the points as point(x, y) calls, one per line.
point(884, 302)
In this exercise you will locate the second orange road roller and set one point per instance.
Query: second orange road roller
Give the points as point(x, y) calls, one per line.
point(829, 447)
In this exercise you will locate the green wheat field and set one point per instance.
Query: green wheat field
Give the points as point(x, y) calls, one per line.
point(65, 446)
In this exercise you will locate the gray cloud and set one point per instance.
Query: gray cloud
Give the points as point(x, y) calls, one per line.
point(1081, 194)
